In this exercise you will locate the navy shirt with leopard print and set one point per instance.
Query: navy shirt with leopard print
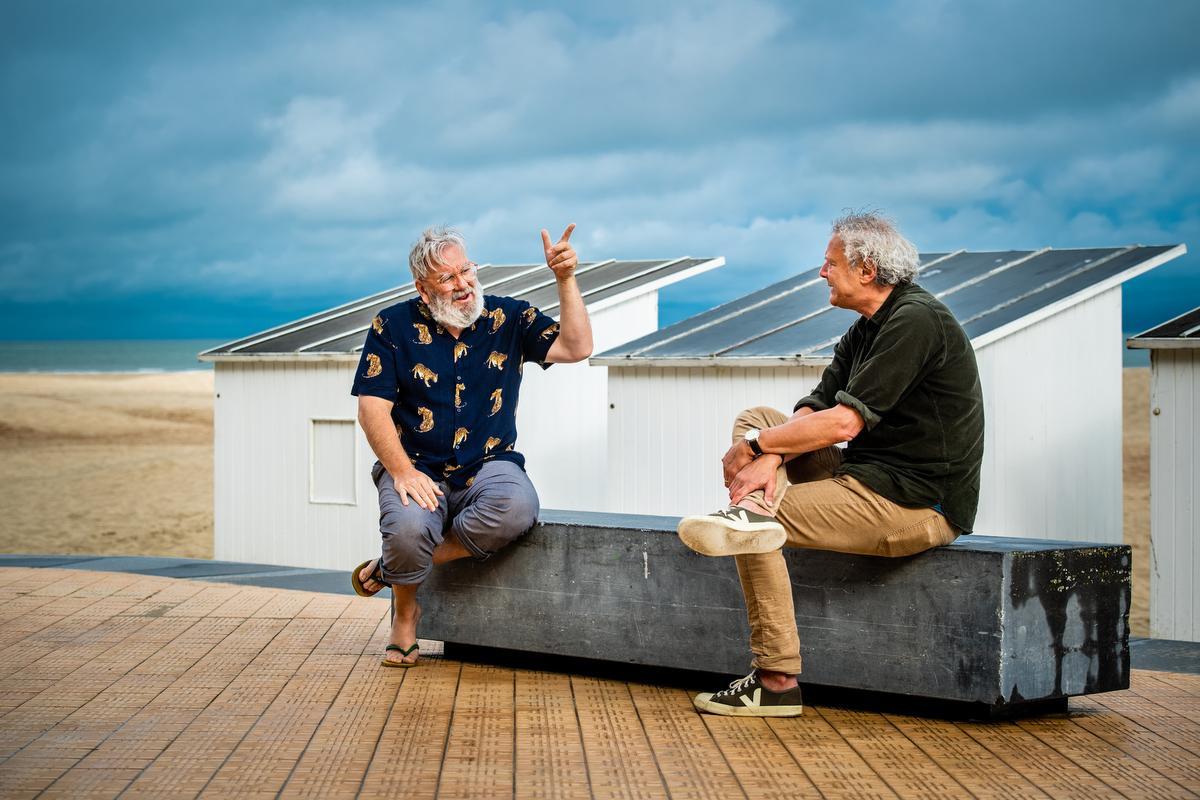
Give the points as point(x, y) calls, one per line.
point(455, 400)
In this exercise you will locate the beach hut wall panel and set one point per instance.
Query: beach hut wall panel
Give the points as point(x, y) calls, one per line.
point(669, 426)
point(1053, 421)
point(562, 421)
point(1174, 476)
point(264, 464)
point(1174, 484)
point(1045, 325)
point(1047, 473)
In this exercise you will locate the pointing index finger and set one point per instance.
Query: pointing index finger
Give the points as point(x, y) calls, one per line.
point(566, 237)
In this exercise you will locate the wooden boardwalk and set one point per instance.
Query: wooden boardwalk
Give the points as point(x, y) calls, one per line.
point(115, 684)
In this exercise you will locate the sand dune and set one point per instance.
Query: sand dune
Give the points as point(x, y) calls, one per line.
point(122, 464)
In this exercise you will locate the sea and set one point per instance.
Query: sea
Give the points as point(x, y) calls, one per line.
point(125, 355)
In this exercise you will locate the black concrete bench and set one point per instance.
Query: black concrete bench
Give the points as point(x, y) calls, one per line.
point(1007, 625)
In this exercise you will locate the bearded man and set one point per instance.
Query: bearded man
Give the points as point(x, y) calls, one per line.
point(437, 389)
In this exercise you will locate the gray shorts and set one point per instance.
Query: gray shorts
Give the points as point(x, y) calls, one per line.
point(499, 506)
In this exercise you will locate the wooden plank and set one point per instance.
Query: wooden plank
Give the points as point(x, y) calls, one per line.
point(620, 759)
point(691, 763)
point(828, 760)
point(759, 760)
point(478, 760)
point(965, 760)
point(1043, 766)
point(550, 761)
point(407, 760)
point(336, 760)
point(907, 770)
point(1119, 770)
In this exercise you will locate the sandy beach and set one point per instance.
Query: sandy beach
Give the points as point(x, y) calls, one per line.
point(106, 463)
point(122, 464)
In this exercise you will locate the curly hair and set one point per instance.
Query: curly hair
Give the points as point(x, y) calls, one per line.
point(870, 236)
point(427, 251)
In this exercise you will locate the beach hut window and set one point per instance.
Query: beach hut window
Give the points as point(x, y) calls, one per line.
point(331, 462)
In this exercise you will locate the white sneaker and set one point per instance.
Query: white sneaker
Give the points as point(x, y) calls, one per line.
point(732, 531)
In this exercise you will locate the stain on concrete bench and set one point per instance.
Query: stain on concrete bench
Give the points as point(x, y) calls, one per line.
point(1008, 625)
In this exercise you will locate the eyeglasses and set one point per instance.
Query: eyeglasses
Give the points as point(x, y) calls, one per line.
point(467, 273)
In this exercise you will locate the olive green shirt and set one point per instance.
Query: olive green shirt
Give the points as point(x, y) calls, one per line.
point(910, 373)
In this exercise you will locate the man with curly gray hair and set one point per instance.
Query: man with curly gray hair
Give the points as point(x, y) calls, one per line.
point(903, 393)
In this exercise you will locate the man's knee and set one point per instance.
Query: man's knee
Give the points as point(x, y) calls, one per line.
point(500, 516)
point(504, 507)
point(407, 546)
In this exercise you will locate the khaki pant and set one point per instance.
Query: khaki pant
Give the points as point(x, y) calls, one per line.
point(821, 512)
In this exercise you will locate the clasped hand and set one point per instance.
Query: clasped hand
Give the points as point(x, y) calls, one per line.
point(745, 474)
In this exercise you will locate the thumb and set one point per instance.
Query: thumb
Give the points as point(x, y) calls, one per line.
point(546, 243)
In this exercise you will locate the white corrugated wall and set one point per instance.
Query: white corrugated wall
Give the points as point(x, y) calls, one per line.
point(669, 426)
point(1052, 456)
point(562, 422)
point(1174, 484)
point(1052, 396)
point(263, 416)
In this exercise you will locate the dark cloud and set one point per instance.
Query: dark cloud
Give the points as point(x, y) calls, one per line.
point(223, 153)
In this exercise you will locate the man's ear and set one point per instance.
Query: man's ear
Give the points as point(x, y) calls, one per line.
point(421, 291)
point(869, 271)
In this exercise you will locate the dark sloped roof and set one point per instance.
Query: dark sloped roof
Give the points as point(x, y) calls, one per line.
point(341, 330)
point(991, 294)
point(1181, 333)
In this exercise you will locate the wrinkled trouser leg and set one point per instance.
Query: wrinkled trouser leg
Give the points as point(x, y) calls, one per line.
point(822, 512)
point(498, 506)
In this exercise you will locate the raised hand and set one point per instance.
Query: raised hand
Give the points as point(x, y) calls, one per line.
point(560, 256)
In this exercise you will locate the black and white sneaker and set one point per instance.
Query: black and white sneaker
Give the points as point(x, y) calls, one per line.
point(732, 531)
point(747, 697)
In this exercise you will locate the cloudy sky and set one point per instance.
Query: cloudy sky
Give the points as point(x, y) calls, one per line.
point(178, 170)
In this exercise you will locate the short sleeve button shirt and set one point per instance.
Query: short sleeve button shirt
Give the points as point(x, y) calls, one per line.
point(455, 400)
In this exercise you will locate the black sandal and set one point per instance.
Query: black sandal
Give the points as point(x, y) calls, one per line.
point(376, 576)
point(402, 652)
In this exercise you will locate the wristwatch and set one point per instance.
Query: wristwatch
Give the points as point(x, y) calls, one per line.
point(751, 437)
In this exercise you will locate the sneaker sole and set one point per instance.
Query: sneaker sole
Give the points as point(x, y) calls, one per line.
point(712, 537)
point(721, 709)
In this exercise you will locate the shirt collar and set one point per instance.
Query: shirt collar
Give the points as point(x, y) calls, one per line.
point(879, 317)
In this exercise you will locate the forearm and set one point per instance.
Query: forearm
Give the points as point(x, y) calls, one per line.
point(574, 328)
point(810, 430)
point(375, 417)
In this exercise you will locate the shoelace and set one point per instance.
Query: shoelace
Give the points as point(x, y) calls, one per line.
point(738, 685)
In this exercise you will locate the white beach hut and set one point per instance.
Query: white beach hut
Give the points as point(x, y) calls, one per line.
point(1046, 326)
point(1174, 476)
point(292, 478)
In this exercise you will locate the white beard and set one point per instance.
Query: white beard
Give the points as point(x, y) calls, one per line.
point(451, 316)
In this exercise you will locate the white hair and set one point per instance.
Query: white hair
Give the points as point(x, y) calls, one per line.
point(870, 236)
point(427, 251)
